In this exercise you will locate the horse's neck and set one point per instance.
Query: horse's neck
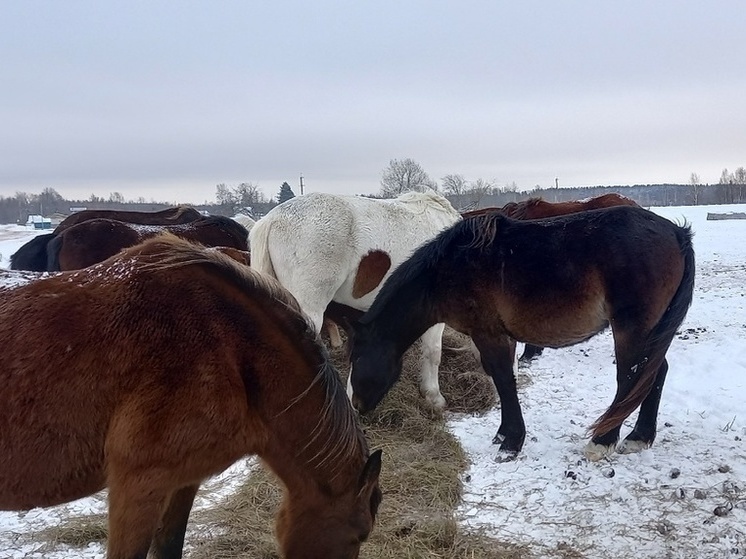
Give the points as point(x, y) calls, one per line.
point(311, 433)
point(405, 317)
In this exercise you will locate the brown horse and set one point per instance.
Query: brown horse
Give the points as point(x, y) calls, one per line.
point(553, 282)
point(159, 368)
point(96, 240)
point(33, 255)
point(537, 208)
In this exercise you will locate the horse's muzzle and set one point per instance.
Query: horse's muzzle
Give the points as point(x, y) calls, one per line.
point(358, 404)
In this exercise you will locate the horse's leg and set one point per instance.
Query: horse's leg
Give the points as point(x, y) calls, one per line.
point(135, 507)
point(498, 355)
point(431, 347)
point(628, 370)
point(335, 339)
point(529, 352)
point(168, 541)
point(643, 435)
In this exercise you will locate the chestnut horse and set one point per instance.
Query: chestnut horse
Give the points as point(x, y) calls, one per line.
point(154, 370)
point(33, 255)
point(96, 240)
point(486, 276)
point(537, 208)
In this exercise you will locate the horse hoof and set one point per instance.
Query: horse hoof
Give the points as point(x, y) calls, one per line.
point(437, 403)
point(595, 452)
point(629, 447)
point(505, 456)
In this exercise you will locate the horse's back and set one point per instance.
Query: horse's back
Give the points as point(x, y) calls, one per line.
point(596, 264)
point(173, 215)
point(316, 242)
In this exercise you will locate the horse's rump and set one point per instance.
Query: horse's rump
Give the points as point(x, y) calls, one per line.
point(32, 255)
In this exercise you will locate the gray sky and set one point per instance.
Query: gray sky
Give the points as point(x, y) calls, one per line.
point(167, 99)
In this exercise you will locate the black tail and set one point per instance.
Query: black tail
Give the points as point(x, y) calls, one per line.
point(33, 255)
point(657, 342)
point(52, 254)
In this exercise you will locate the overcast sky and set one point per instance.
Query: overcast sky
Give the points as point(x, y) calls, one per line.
point(167, 99)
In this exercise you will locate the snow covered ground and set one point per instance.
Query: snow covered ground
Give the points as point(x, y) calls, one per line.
point(660, 503)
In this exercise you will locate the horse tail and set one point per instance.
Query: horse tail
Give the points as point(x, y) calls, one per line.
point(32, 256)
point(261, 260)
point(53, 254)
point(657, 342)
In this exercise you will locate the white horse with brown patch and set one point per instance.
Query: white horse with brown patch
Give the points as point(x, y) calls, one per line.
point(328, 247)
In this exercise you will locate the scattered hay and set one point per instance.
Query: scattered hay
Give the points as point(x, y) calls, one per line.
point(420, 478)
point(75, 532)
point(463, 383)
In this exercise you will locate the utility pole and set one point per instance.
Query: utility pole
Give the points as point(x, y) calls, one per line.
point(301, 184)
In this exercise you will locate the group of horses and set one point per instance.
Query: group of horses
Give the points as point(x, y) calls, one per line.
point(153, 362)
point(91, 236)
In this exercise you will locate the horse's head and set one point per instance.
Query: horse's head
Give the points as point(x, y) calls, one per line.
point(318, 525)
point(375, 365)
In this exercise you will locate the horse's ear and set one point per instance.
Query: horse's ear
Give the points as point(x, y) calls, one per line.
point(371, 471)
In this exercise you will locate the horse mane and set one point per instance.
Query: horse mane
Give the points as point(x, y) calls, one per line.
point(520, 210)
point(167, 251)
point(476, 231)
point(483, 228)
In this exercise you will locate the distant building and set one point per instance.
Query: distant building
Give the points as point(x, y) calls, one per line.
point(38, 222)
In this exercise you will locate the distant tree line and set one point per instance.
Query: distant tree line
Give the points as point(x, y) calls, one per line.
point(245, 197)
point(400, 176)
point(406, 174)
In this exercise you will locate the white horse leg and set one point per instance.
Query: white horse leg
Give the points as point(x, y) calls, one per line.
point(349, 384)
point(432, 344)
point(335, 339)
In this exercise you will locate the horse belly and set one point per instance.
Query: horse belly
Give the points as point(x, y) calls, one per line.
point(37, 477)
point(559, 326)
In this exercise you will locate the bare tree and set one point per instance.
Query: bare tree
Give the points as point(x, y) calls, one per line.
point(402, 176)
point(224, 195)
point(248, 195)
point(726, 177)
point(739, 175)
point(477, 190)
point(696, 187)
point(453, 184)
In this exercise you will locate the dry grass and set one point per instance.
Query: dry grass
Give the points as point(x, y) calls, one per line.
point(75, 532)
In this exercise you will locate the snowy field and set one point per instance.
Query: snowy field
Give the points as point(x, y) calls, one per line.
point(683, 498)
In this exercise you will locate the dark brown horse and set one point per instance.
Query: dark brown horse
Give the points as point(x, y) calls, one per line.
point(537, 208)
point(96, 240)
point(159, 368)
point(33, 255)
point(554, 283)
point(169, 216)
